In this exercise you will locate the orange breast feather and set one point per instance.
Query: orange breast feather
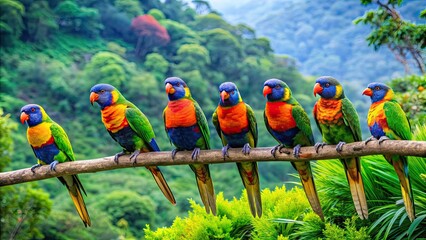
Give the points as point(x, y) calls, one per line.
point(180, 113)
point(39, 135)
point(329, 111)
point(377, 114)
point(233, 119)
point(114, 117)
point(279, 116)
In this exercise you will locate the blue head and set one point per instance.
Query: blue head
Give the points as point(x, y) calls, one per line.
point(229, 94)
point(276, 90)
point(328, 88)
point(33, 115)
point(104, 94)
point(176, 88)
point(378, 92)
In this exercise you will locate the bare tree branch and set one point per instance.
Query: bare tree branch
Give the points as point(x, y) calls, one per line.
point(406, 148)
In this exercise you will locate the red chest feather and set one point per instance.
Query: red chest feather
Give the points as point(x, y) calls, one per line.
point(180, 113)
point(280, 116)
point(114, 117)
point(233, 119)
point(328, 111)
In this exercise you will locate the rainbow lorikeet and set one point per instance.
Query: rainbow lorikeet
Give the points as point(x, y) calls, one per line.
point(236, 125)
point(338, 123)
point(51, 146)
point(128, 126)
point(187, 129)
point(387, 120)
point(289, 124)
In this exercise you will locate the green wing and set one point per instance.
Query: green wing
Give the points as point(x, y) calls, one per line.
point(139, 123)
point(397, 120)
point(303, 123)
point(202, 123)
point(62, 141)
point(351, 119)
point(215, 120)
point(252, 123)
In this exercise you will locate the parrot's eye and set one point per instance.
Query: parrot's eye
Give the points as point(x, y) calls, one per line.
point(327, 85)
point(178, 84)
point(232, 92)
point(278, 87)
point(32, 109)
point(102, 91)
point(377, 88)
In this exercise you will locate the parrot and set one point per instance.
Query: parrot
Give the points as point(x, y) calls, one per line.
point(236, 125)
point(51, 145)
point(387, 120)
point(187, 129)
point(128, 126)
point(289, 124)
point(339, 124)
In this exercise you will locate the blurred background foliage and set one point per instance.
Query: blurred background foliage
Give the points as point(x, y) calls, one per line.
point(53, 51)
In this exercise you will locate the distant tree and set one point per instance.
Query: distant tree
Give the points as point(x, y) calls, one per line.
point(180, 34)
point(192, 57)
point(40, 21)
point(156, 65)
point(210, 21)
point(131, 8)
point(150, 34)
point(116, 24)
point(157, 14)
point(202, 6)
point(75, 19)
point(11, 23)
point(405, 39)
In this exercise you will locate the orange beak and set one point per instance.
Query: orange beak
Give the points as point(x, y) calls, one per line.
point(170, 89)
point(24, 117)
point(367, 92)
point(266, 90)
point(224, 95)
point(93, 97)
point(317, 89)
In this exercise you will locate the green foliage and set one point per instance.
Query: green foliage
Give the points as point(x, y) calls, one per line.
point(40, 21)
point(157, 65)
point(11, 23)
point(130, 7)
point(334, 232)
point(6, 143)
point(130, 206)
point(410, 92)
point(157, 14)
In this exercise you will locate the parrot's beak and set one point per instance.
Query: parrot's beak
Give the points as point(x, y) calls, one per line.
point(170, 89)
point(367, 92)
point(24, 117)
point(93, 97)
point(267, 90)
point(317, 89)
point(224, 95)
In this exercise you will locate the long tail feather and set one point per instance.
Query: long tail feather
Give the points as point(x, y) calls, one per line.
point(401, 169)
point(162, 184)
point(74, 187)
point(306, 177)
point(205, 186)
point(250, 176)
point(356, 185)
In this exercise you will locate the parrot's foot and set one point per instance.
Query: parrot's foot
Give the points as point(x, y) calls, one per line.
point(319, 145)
point(296, 151)
point(274, 149)
point(246, 149)
point(134, 156)
point(34, 167)
point(195, 153)
point(382, 139)
point(174, 151)
point(339, 146)
point(225, 151)
point(369, 140)
point(53, 165)
point(116, 156)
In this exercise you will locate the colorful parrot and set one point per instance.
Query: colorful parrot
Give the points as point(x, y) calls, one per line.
point(289, 124)
point(387, 120)
point(51, 146)
point(338, 123)
point(187, 129)
point(128, 126)
point(236, 125)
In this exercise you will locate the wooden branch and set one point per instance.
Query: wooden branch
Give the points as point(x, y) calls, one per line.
point(406, 148)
